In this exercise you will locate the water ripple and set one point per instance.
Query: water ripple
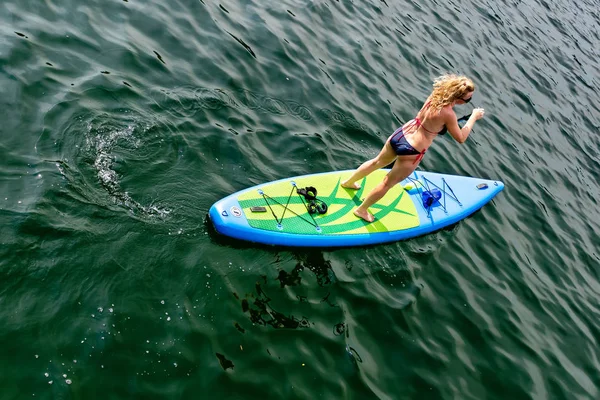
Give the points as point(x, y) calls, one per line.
point(125, 121)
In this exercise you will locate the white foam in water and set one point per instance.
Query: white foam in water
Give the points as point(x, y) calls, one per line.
point(102, 144)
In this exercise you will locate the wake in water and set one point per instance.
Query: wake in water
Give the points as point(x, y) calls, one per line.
point(89, 147)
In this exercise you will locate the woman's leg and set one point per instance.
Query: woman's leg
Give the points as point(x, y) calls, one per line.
point(404, 166)
point(385, 157)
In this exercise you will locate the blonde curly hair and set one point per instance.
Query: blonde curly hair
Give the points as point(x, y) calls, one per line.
point(448, 88)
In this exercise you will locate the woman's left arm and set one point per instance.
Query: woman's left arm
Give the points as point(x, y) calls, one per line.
point(458, 133)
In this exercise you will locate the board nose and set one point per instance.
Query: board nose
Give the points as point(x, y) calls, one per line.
point(217, 214)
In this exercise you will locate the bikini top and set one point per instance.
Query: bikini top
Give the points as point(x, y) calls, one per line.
point(419, 123)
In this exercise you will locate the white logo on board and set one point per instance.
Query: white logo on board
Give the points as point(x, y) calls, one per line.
point(236, 212)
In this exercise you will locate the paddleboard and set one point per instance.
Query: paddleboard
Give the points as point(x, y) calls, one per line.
point(276, 213)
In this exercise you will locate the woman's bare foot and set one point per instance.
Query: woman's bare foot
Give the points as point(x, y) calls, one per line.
point(367, 216)
point(353, 186)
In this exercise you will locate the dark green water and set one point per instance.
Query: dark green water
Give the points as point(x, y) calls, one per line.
point(123, 121)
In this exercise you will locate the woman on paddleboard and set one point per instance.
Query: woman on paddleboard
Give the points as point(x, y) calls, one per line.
point(408, 144)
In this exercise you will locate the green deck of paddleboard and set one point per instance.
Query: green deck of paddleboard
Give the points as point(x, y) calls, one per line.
point(396, 211)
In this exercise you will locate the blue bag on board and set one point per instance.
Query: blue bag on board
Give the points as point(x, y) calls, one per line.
point(430, 197)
